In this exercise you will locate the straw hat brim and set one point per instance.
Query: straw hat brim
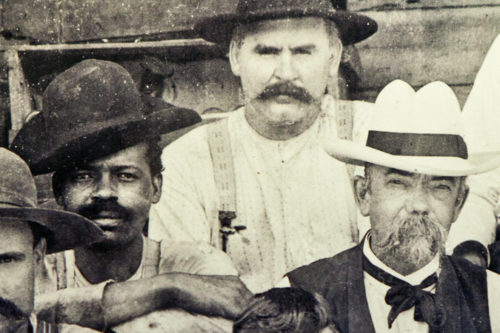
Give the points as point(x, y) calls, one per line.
point(353, 153)
point(66, 230)
point(353, 27)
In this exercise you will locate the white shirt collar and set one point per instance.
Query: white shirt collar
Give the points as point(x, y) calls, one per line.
point(34, 321)
point(414, 278)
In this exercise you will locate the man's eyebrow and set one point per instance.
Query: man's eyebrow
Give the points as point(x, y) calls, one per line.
point(306, 47)
point(261, 48)
point(444, 178)
point(398, 172)
point(125, 167)
point(12, 255)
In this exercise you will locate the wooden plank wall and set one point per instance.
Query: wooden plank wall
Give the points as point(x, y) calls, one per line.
point(421, 45)
point(417, 41)
point(61, 21)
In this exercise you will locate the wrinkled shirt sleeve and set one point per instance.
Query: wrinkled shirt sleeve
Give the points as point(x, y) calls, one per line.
point(185, 257)
point(73, 305)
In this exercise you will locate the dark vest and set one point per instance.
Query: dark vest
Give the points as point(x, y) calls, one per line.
point(462, 289)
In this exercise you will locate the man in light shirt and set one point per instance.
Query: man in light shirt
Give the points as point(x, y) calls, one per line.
point(264, 165)
point(398, 279)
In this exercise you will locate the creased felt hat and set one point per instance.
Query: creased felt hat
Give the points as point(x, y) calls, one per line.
point(91, 110)
point(18, 202)
point(352, 27)
point(420, 132)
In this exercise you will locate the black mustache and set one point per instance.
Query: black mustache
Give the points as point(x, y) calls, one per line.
point(288, 89)
point(94, 209)
point(10, 310)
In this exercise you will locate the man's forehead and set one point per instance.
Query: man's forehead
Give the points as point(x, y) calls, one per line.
point(134, 156)
point(314, 25)
point(386, 171)
point(15, 235)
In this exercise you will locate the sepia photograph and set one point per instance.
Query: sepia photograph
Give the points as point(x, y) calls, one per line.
point(250, 166)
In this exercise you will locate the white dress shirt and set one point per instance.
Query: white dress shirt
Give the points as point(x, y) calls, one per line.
point(295, 200)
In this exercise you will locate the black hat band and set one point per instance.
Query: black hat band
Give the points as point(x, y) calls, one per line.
point(416, 144)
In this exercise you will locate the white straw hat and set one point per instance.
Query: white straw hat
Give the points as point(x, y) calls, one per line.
point(419, 132)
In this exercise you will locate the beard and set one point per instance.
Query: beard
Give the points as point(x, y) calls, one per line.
point(416, 239)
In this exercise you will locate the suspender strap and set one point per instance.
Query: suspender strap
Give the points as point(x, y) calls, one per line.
point(151, 264)
point(344, 115)
point(222, 161)
point(60, 262)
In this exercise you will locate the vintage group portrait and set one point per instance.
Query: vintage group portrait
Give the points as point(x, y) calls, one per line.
point(250, 166)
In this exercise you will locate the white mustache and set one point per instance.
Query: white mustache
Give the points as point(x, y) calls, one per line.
point(415, 237)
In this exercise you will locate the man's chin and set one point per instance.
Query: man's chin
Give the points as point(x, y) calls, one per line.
point(417, 252)
point(109, 241)
point(282, 115)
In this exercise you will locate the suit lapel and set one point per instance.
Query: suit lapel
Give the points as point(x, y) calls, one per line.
point(358, 316)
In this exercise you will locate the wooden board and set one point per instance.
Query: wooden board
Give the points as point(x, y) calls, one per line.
point(56, 21)
point(423, 45)
point(19, 95)
point(416, 4)
point(38, 20)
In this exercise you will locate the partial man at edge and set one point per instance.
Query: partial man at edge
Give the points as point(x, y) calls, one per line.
point(27, 233)
point(482, 118)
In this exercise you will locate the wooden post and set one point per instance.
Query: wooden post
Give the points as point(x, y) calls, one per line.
point(19, 95)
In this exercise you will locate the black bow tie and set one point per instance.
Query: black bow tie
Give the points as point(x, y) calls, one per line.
point(403, 296)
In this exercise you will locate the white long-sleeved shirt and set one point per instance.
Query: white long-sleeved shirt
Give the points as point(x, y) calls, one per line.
point(295, 200)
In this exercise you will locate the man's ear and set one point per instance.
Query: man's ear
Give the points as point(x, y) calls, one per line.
point(234, 57)
point(362, 194)
point(39, 251)
point(335, 56)
point(157, 182)
point(460, 201)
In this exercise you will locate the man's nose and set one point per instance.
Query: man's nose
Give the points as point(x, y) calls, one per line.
point(418, 201)
point(104, 188)
point(285, 69)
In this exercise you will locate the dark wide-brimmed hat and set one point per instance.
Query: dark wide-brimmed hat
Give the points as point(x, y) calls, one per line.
point(91, 110)
point(416, 131)
point(18, 202)
point(352, 27)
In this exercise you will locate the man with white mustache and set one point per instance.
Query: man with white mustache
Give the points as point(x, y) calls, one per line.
point(414, 187)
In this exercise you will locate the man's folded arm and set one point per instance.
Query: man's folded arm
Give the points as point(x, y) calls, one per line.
point(110, 304)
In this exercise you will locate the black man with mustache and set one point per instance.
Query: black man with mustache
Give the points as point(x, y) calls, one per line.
point(102, 144)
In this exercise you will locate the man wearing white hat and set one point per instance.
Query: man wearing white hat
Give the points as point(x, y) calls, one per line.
point(398, 279)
